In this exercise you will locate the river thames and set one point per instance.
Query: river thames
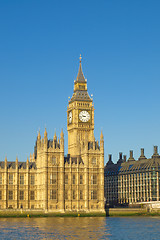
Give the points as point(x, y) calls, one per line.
point(119, 228)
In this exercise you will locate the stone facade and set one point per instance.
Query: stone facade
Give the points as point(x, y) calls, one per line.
point(133, 181)
point(50, 180)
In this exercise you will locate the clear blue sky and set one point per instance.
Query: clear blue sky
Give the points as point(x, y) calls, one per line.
point(40, 43)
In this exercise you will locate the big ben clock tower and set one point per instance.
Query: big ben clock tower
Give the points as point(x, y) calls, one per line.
point(80, 115)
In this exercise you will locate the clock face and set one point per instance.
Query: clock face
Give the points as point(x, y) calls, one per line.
point(84, 116)
point(70, 117)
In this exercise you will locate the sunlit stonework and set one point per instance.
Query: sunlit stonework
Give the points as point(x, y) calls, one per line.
point(54, 182)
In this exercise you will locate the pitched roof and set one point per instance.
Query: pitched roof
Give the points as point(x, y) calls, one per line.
point(81, 96)
point(133, 166)
point(20, 165)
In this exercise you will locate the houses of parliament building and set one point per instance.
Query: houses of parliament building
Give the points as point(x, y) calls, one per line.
point(51, 181)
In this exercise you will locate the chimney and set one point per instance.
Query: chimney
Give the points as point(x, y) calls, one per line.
point(142, 152)
point(131, 154)
point(125, 158)
point(120, 155)
point(110, 157)
point(155, 150)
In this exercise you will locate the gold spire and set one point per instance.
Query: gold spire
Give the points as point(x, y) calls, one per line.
point(80, 76)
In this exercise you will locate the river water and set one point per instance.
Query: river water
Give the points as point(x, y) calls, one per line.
point(120, 228)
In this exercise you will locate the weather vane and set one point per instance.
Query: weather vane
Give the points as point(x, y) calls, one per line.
point(80, 58)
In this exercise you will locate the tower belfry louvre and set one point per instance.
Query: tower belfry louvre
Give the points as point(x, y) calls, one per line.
point(51, 181)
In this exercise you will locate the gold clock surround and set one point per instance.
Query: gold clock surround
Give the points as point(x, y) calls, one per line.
point(90, 113)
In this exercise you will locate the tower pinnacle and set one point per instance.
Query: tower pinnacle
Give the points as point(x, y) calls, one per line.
point(45, 133)
point(101, 136)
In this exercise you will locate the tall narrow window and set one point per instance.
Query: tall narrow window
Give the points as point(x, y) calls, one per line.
point(66, 178)
point(32, 195)
point(53, 194)
point(10, 195)
point(21, 179)
point(53, 178)
point(81, 179)
point(81, 194)
point(74, 194)
point(93, 194)
point(73, 179)
point(93, 179)
point(32, 179)
point(10, 178)
point(0, 195)
point(21, 195)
